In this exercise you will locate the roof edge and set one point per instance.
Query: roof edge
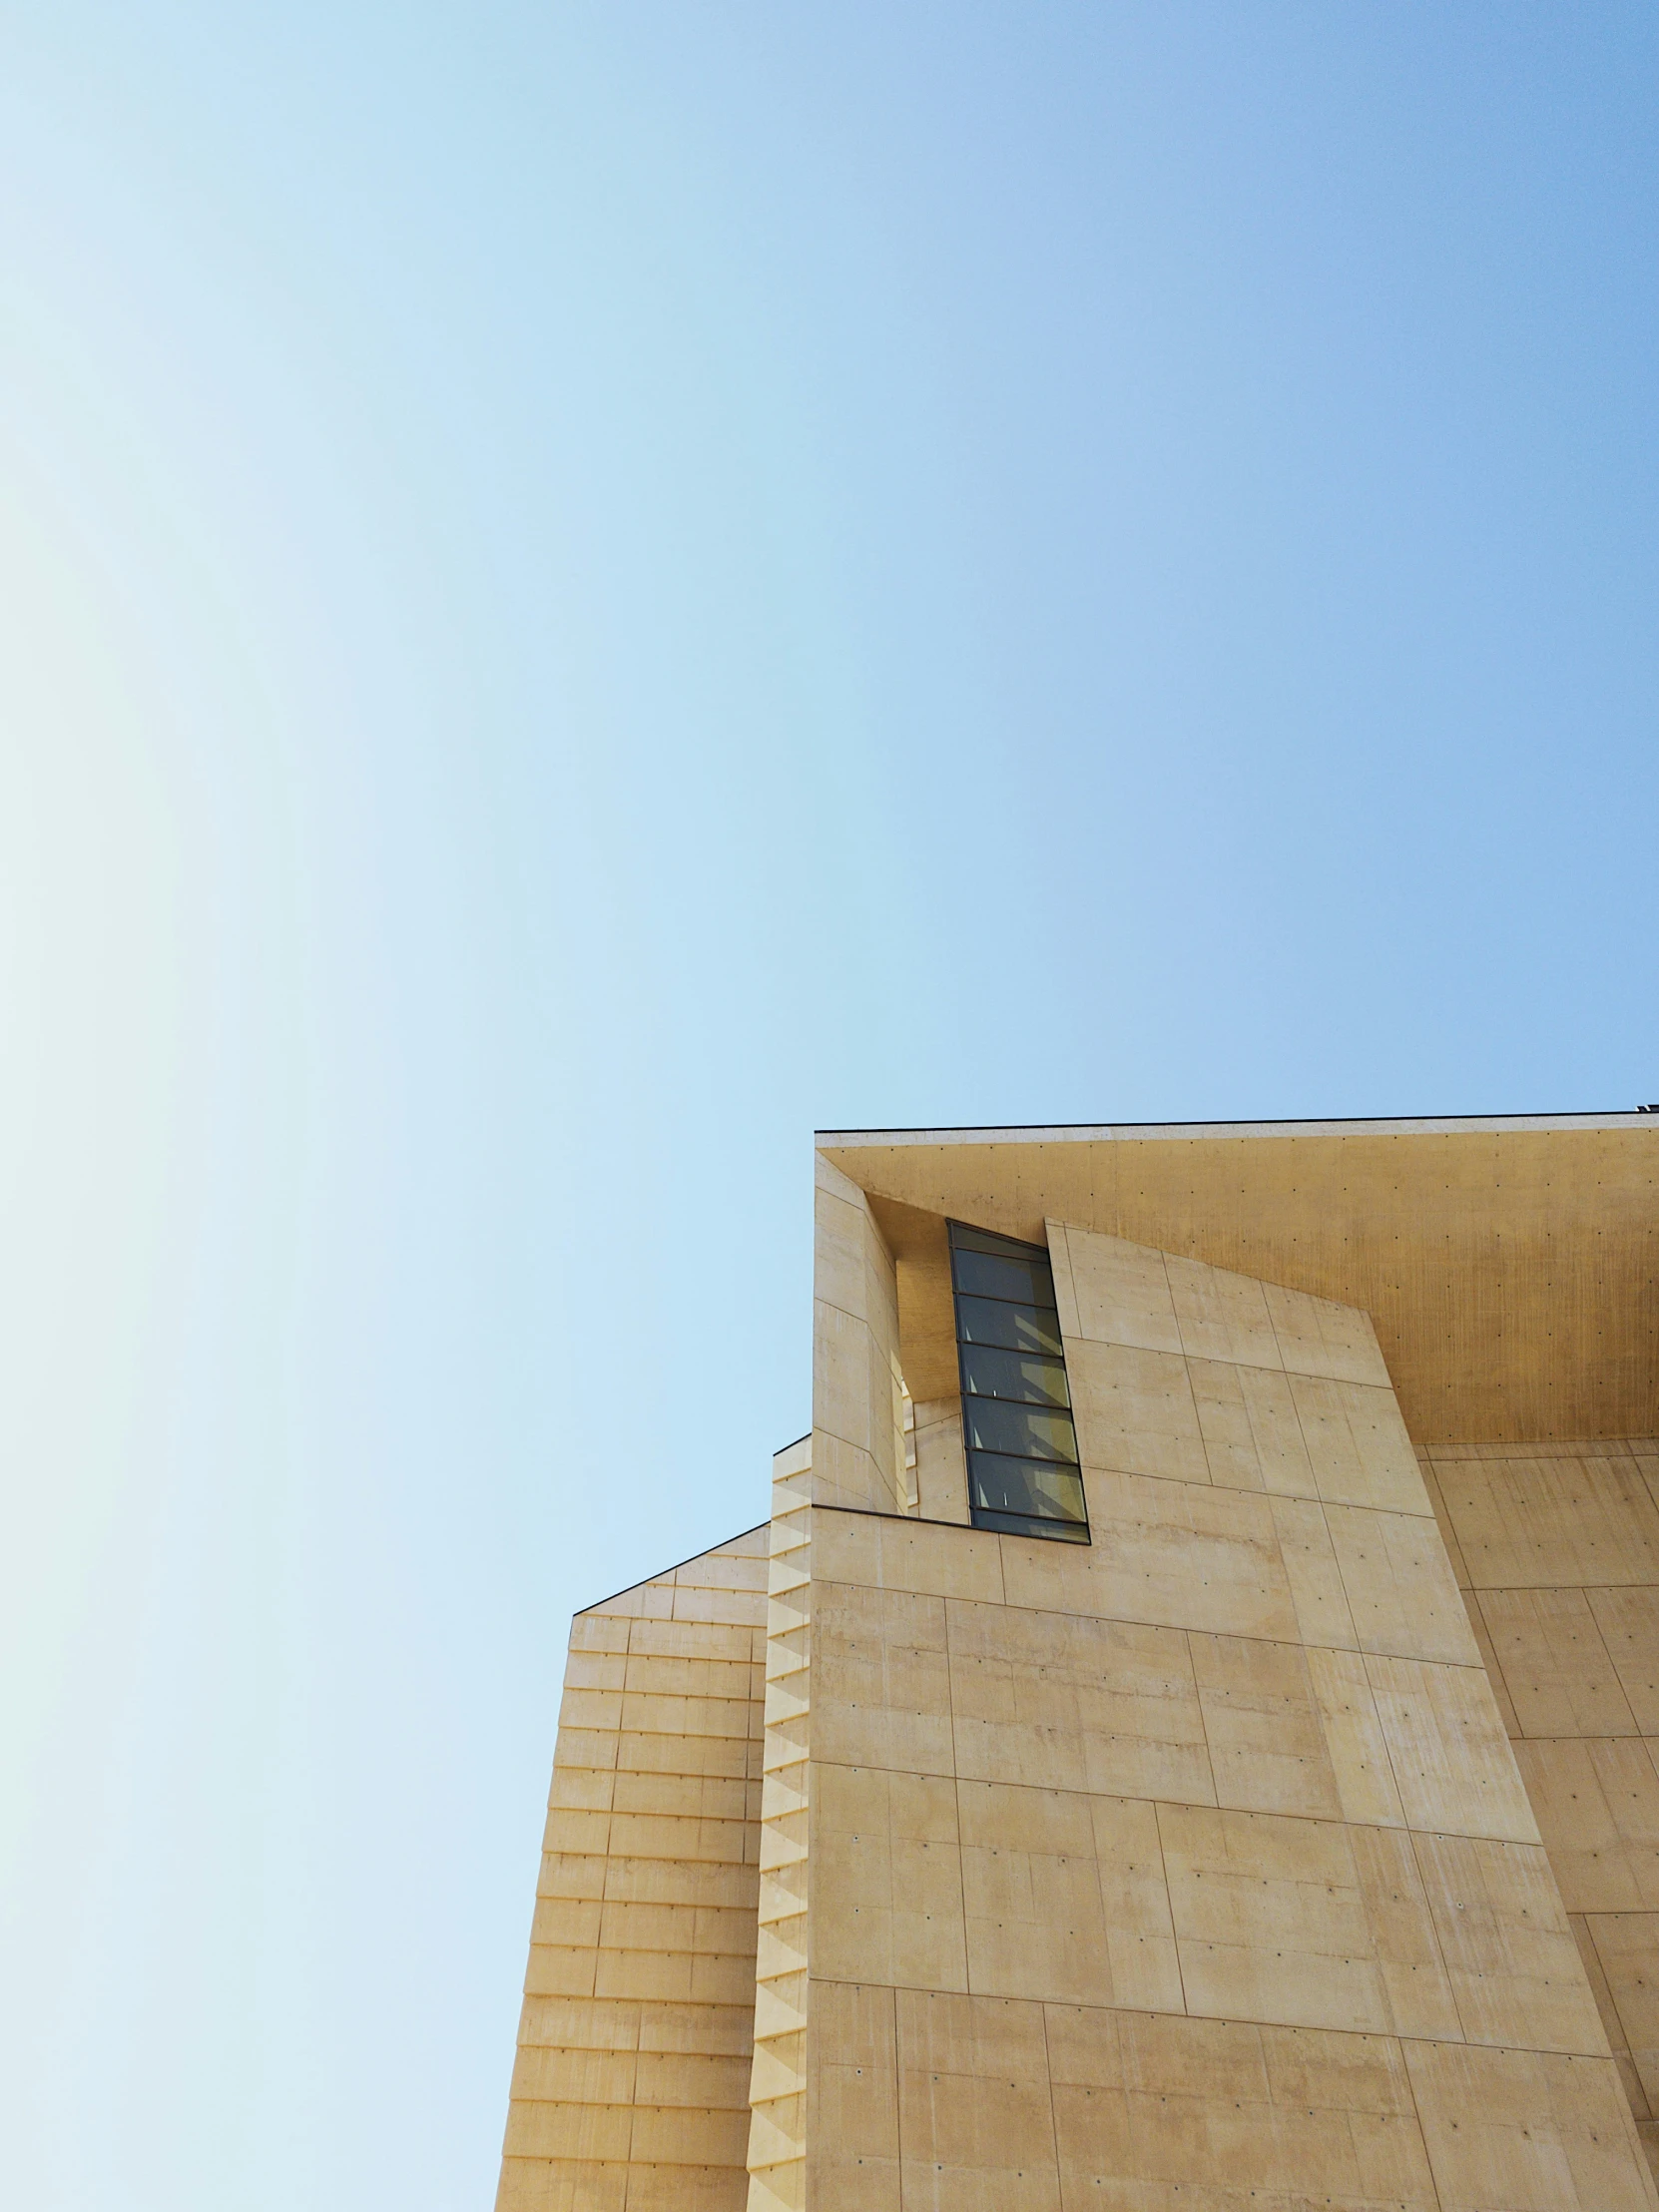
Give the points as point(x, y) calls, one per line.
point(662, 1574)
point(1348, 1126)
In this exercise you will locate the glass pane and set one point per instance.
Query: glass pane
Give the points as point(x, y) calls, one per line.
point(981, 1240)
point(1026, 1487)
point(986, 1321)
point(988, 1275)
point(1015, 1374)
point(1029, 1431)
point(1028, 1524)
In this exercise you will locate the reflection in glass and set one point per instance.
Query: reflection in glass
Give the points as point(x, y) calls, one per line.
point(1029, 1431)
point(1014, 1375)
point(1027, 1487)
point(964, 1239)
point(987, 1320)
point(983, 1275)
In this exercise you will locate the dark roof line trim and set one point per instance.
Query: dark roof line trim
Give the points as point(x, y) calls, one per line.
point(1063, 1129)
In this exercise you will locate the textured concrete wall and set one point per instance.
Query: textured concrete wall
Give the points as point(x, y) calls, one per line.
point(857, 1455)
point(1190, 1868)
point(631, 2081)
point(1558, 1552)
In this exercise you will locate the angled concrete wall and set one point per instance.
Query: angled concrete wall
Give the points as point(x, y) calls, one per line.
point(1558, 1552)
point(1193, 1865)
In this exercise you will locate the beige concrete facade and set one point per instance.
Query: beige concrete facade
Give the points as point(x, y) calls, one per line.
point(1557, 1554)
point(1293, 1842)
point(631, 2086)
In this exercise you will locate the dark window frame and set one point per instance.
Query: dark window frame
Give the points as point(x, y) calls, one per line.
point(965, 1237)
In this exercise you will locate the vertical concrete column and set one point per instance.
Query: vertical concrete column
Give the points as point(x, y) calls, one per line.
point(857, 1389)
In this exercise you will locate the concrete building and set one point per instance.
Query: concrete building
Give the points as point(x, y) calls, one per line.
point(1186, 1737)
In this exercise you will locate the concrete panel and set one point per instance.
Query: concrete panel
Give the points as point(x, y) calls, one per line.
point(1035, 1924)
point(1065, 1893)
point(1410, 1956)
point(1358, 1446)
point(1134, 1412)
point(1075, 1703)
point(1448, 1750)
point(1612, 2026)
point(1120, 1292)
point(882, 1552)
point(1261, 1720)
point(1513, 1963)
point(881, 1679)
point(941, 1460)
point(1584, 1520)
point(1354, 1739)
point(1597, 1804)
point(1163, 2111)
point(1134, 1894)
point(1309, 1558)
point(1556, 1668)
point(1402, 1595)
point(1179, 1553)
point(1626, 1945)
point(888, 1879)
point(1315, 1336)
point(1253, 1438)
point(1628, 1619)
point(976, 2123)
point(856, 2114)
point(1221, 1315)
point(1528, 2131)
point(1270, 1919)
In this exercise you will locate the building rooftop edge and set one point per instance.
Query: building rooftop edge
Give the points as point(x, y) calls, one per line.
point(673, 1568)
point(1348, 1126)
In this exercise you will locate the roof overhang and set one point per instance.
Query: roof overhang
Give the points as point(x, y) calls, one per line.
point(1510, 1263)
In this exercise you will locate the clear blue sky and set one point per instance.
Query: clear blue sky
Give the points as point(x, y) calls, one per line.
point(584, 590)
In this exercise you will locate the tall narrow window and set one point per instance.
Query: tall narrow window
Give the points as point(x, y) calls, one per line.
point(1023, 1475)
